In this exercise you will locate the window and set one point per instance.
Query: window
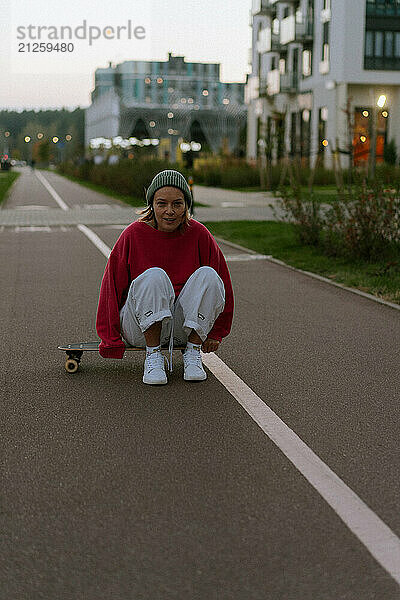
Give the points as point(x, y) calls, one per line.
point(382, 50)
point(378, 43)
point(324, 64)
point(383, 8)
point(307, 63)
point(369, 43)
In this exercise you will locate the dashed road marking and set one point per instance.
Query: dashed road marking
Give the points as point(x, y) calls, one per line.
point(31, 228)
point(32, 207)
point(94, 206)
point(246, 257)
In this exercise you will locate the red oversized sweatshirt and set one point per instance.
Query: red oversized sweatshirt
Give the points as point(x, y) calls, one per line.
point(141, 247)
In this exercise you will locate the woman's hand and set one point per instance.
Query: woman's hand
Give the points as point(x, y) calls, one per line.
point(210, 345)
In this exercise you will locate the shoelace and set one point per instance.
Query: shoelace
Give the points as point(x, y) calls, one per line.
point(192, 357)
point(154, 360)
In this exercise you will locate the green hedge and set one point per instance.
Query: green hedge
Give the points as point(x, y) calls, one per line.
point(129, 178)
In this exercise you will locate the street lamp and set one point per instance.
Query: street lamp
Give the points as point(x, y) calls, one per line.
point(381, 101)
point(373, 133)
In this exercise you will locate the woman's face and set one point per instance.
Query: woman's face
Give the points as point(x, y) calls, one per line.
point(169, 208)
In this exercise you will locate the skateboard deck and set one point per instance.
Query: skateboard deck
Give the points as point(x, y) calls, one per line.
point(74, 352)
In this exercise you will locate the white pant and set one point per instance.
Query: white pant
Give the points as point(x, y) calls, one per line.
point(151, 298)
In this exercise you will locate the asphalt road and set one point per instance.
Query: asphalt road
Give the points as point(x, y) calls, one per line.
point(116, 490)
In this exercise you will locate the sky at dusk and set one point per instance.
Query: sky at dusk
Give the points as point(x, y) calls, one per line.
point(202, 31)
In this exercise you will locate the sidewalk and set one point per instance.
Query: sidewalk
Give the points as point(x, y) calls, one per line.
point(223, 205)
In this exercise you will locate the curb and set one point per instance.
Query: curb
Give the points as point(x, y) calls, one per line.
point(313, 275)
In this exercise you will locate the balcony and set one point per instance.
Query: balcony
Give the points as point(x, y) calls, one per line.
point(264, 40)
point(263, 88)
point(304, 32)
point(252, 89)
point(289, 83)
point(273, 82)
point(292, 31)
point(288, 30)
point(262, 7)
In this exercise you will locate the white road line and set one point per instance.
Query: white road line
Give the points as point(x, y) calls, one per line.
point(51, 191)
point(374, 534)
point(31, 228)
point(245, 257)
point(100, 245)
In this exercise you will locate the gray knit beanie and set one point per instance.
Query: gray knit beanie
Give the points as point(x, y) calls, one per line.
point(169, 178)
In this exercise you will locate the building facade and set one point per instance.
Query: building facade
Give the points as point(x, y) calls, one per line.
point(171, 99)
point(318, 70)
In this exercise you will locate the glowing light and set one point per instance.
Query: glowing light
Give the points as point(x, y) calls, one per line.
point(68, 138)
point(147, 80)
point(325, 143)
point(39, 136)
point(6, 133)
point(160, 79)
point(170, 115)
point(381, 101)
point(365, 113)
point(205, 92)
point(27, 138)
point(385, 114)
point(225, 101)
point(363, 139)
point(55, 139)
point(152, 123)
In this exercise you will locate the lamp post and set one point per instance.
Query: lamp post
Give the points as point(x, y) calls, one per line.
point(373, 134)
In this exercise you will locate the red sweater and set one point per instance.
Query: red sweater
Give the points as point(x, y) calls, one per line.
point(140, 247)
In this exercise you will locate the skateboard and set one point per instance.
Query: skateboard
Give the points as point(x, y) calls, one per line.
point(74, 352)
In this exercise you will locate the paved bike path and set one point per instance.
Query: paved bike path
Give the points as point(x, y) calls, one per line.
point(113, 489)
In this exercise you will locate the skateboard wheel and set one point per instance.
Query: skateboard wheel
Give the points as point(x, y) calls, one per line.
point(71, 365)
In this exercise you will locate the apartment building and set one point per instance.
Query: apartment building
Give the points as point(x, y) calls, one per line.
point(318, 70)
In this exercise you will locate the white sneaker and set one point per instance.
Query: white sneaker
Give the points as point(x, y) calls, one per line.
point(192, 365)
point(154, 369)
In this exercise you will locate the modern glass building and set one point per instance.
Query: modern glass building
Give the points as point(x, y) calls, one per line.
point(154, 98)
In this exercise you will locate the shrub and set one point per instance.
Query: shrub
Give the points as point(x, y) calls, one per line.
point(127, 177)
point(303, 213)
point(363, 225)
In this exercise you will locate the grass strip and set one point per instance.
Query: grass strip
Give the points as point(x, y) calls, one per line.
point(7, 178)
point(380, 278)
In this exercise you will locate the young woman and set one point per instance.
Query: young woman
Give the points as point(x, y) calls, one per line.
point(166, 281)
